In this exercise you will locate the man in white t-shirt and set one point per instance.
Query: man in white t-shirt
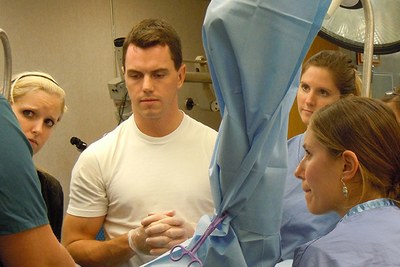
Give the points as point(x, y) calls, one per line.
point(147, 181)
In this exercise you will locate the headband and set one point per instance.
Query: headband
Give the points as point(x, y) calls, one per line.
point(11, 97)
point(35, 75)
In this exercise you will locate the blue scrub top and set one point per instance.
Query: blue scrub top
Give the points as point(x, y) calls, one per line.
point(368, 235)
point(299, 225)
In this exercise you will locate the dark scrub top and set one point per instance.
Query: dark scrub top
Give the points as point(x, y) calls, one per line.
point(21, 204)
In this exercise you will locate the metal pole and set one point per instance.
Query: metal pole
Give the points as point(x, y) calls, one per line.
point(7, 64)
point(198, 77)
point(368, 48)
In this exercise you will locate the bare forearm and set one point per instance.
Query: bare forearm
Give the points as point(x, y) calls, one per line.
point(63, 259)
point(93, 253)
point(40, 249)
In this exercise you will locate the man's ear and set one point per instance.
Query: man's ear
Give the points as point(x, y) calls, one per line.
point(351, 165)
point(181, 75)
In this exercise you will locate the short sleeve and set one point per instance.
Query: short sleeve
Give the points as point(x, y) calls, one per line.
point(88, 197)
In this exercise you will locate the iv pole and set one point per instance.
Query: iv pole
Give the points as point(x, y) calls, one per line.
point(368, 39)
point(7, 64)
point(368, 47)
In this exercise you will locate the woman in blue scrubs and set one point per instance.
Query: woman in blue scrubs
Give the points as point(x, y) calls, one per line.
point(352, 167)
point(325, 78)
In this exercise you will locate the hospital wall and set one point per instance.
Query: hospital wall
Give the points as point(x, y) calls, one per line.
point(73, 41)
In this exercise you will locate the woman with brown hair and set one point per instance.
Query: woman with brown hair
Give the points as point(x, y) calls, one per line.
point(326, 77)
point(352, 167)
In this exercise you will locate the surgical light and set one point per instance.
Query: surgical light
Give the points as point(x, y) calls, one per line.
point(346, 26)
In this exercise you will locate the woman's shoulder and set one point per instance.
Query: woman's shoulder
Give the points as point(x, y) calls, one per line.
point(47, 178)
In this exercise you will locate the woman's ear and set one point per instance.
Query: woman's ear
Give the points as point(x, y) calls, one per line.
point(351, 165)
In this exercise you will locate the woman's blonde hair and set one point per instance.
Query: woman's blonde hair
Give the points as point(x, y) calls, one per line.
point(25, 82)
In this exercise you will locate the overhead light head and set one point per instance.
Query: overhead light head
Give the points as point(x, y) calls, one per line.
point(345, 27)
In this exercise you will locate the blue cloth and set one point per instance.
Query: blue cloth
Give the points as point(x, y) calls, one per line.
point(254, 49)
point(21, 203)
point(299, 225)
point(368, 235)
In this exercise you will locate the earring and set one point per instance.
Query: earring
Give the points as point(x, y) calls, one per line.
point(344, 189)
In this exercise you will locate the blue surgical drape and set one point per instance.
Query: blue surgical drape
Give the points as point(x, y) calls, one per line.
point(254, 50)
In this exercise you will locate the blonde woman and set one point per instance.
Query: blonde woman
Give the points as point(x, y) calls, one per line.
point(39, 103)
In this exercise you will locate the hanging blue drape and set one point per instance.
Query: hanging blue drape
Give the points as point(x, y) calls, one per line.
point(254, 50)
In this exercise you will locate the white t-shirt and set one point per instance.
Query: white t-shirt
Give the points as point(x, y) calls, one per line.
point(126, 175)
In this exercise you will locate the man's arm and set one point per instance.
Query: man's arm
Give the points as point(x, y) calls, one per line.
point(79, 237)
point(159, 233)
point(36, 247)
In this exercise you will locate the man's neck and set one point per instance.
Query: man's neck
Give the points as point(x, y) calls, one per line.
point(160, 127)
